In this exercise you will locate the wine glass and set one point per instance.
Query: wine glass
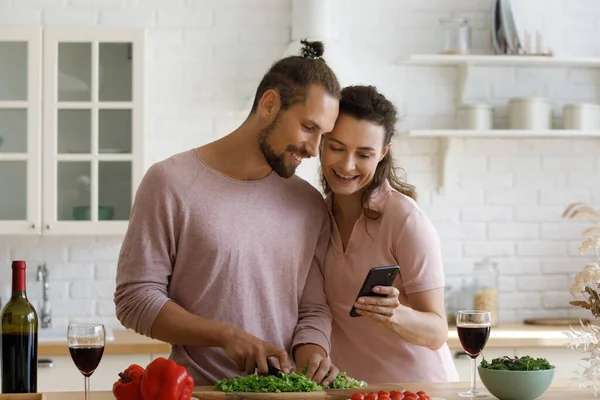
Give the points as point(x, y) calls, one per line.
point(86, 345)
point(473, 328)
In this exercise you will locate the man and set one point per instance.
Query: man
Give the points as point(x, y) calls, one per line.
point(224, 239)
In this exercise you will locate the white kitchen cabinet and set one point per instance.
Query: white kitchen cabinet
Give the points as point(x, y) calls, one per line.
point(63, 376)
point(72, 158)
point(20, 131)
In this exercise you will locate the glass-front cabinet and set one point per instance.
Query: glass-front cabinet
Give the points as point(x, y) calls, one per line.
point(20, 124)
point(84, 177)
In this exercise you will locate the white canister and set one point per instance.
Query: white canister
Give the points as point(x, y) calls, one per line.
point(529, 113)
point(475, 117)
point(581, 116)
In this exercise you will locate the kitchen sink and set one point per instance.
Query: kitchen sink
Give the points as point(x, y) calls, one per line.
point(59, 335)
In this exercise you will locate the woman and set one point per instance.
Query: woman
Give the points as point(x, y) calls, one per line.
point(377, 222)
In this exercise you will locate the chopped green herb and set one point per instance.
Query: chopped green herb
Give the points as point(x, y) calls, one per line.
point(525, 363)
point(342, 381)
point(292, 382)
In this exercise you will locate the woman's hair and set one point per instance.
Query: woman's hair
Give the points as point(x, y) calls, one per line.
point(365, 103)
point(292, 76)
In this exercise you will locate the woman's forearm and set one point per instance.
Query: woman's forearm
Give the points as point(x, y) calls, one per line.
point(425, 329)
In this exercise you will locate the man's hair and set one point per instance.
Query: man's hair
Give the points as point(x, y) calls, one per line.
point(365, 103)
point(292, 76)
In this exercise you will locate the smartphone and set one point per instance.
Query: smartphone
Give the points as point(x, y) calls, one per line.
point(377, 276)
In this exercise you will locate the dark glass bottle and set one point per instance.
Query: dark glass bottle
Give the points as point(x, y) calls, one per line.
point(19, 323)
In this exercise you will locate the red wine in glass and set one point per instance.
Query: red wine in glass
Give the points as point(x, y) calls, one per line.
point(86, 345)
point(473, 327)
point(86, 358)
point(473, 338)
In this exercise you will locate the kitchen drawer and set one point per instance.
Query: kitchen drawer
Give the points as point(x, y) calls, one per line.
point(63, 376)
point(463, 362)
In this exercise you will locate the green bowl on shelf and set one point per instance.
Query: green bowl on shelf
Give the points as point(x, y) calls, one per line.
point(516, 385)
point(83, 213)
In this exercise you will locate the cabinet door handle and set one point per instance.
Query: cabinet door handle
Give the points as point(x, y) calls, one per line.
point(32, 226)
point(45, 363)
point(47, 227)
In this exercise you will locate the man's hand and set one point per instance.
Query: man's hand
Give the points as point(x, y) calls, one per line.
point(248, 351)
point(320, 368)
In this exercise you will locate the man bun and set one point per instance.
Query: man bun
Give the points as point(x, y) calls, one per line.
point(313, 50)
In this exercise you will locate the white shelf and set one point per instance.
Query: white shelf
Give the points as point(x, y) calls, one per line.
point(500, 60)
point(464, 63)
point(446, 143)
point(501, 133)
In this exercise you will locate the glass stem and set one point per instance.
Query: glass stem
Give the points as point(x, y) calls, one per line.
point(473, 375)
point(87, 388)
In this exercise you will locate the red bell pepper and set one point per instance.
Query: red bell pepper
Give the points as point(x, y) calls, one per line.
point(128, 385)
point(166, 380)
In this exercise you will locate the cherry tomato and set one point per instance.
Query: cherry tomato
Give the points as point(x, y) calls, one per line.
point(409, 393)
point(411, 396)
point(397, 396)
point(396, 392)
point(420, 392)
point(358, 396)
point(384, 397)
point(382, 392)
point(371, 396)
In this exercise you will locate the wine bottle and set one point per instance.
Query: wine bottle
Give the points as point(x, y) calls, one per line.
point(19, 338)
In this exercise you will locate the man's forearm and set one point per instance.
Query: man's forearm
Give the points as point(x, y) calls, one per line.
point(175, 325)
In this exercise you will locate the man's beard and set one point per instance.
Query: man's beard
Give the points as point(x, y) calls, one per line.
point(277, 161)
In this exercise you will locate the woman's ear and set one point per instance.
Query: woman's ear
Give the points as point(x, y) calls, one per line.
point(385, 151)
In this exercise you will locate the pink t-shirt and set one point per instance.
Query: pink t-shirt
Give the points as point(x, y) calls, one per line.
point(402, 236)
point(239, 252)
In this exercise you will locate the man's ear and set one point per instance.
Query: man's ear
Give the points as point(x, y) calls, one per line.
point(385, 151)
point(269, 103)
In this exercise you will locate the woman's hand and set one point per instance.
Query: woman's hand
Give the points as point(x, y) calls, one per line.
point(319, 366)
point(385, 310)
point(421, 322)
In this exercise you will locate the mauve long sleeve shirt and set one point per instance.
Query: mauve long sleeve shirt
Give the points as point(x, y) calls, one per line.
point(246, 253)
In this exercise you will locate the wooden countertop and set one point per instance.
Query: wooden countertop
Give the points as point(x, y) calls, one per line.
point(503, 336)
point(125, 342)
point(559, 390)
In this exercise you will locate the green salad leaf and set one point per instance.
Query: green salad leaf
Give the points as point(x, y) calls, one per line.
point(525, 363)
point(342, 381)
point(292, 382)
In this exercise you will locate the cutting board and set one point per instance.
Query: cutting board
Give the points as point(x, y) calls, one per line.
point(209, 393)
point(24, 396)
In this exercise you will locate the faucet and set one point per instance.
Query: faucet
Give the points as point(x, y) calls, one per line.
point(42, 276)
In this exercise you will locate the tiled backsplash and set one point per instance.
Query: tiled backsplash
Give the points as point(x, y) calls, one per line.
point(505, 198)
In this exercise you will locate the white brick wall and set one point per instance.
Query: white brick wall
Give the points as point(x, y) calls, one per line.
point(205, 58)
